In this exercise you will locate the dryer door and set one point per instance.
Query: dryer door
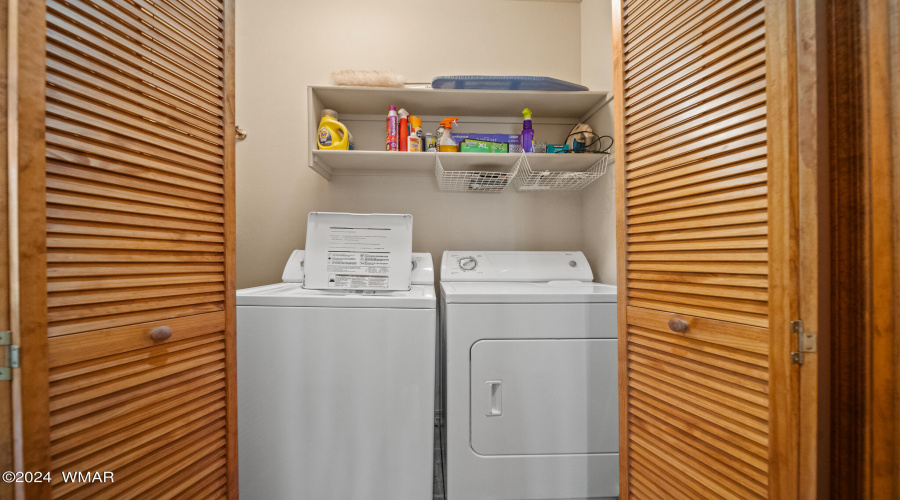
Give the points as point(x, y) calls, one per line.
point(544, 396)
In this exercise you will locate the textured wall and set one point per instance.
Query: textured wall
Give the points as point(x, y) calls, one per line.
point(283, 46)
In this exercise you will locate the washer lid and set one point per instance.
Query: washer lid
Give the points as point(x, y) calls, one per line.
point(294, 295)
point(527, 293)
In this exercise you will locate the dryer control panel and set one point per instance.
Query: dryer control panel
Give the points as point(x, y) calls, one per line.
point(514, 266)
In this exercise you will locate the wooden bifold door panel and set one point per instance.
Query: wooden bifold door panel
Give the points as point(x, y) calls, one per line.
point(155, 416)
point(135, 197)
point(692, 189)
point(698, 406)
point(138, 150)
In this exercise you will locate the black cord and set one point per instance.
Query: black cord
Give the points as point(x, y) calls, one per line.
point(587, 146)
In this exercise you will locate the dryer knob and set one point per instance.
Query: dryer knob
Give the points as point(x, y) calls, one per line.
point(468, 263)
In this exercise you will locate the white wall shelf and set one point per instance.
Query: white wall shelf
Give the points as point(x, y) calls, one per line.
point(329, 163)
point(455, 102)
point(363, 110)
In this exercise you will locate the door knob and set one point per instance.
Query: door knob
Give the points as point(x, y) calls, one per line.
point(160, 333)
point(678, 325)
point(239, 133)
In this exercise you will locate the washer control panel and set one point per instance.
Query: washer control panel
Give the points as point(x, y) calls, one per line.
point(514, 266)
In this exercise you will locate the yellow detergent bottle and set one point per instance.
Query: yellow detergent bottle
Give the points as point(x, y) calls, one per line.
point(333, 135)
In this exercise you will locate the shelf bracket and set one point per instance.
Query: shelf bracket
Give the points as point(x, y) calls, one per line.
point(322, 169)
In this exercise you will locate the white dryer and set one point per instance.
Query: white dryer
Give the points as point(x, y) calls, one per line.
point(336, 390)
point(530, 377)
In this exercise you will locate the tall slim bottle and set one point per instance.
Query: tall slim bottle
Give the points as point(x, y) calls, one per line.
point(404, 128)
point(527, 132)
point(392, 139)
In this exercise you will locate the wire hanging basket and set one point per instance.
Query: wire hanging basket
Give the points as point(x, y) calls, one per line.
point(529, 179)
point(474, 181)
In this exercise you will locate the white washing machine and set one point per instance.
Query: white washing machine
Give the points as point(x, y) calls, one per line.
point(336, 390)
point(531, 405)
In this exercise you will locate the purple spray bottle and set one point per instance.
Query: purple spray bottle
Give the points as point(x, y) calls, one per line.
point(527, 132)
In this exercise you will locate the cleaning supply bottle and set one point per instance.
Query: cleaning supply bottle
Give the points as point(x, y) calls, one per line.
point(404, 128)
point(527, 132)
point(446, 144)
point(414, 142)
point(393, 130)
point(333, 135)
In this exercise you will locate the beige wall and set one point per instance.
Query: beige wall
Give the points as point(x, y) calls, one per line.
point(599, 209)
point(285, 45)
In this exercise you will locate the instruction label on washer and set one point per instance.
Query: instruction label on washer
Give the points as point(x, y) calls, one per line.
point(358, 251)
point(358, 270)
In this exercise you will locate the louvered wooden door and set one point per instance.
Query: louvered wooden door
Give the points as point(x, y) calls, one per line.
point(693, 188)
point(140, 239)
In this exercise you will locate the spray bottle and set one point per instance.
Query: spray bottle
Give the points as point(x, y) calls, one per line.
point(527, 132)
point(446, 144)
point(404, 128)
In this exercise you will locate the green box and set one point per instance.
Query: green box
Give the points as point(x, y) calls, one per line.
point(474, 146)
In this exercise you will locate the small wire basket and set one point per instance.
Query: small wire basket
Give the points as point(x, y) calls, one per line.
point(474, 181)
point(548, 180)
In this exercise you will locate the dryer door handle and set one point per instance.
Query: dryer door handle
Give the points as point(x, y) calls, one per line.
point(494, 398)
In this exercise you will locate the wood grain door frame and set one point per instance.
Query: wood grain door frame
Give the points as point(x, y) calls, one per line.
point(230, 255)
point(6, 442)
point(882, 374)
point(799, 238)
point(618, 53)
point(28, 260)
point(839, 113)
point(813, 245)
point(864, 111)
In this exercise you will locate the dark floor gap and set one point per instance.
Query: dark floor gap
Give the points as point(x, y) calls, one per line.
point(438, 465)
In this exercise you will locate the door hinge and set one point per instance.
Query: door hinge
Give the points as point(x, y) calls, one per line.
point(806, 342)
point(12, 356)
